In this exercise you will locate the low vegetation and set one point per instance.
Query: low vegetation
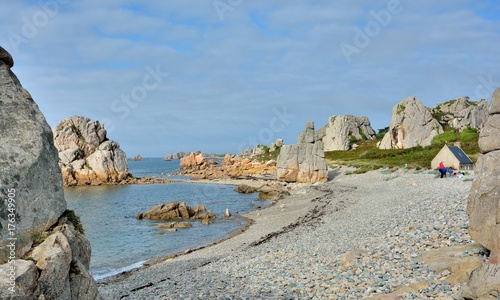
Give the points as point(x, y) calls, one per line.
point(268, 154)
point(74, 219)
point(368, 157)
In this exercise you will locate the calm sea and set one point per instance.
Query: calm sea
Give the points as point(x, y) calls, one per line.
point(120, 242)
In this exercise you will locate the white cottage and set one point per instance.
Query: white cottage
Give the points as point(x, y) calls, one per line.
point(453, 156)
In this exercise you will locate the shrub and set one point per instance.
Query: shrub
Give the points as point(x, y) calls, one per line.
point(381, 133)
point(352, 139)
point(74, 219)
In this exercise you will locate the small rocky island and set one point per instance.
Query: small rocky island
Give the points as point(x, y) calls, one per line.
point(177, 210)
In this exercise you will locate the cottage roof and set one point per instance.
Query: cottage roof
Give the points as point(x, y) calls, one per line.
point(460, 155)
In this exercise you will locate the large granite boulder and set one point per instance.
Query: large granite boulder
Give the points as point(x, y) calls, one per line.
point(86, 156)
point(412, 125)
point(193, 161)
point(461, 113)
point(341, 130)
point(30, 180)
point(304, 162)
point(483, 207)
point(30, 183)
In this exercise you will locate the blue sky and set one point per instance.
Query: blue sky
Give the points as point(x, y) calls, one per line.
point(221, 75)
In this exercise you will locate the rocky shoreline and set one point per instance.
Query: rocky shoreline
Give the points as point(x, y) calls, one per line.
point(356, 236)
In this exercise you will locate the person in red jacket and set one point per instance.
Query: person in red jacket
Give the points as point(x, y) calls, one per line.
point(442, 169)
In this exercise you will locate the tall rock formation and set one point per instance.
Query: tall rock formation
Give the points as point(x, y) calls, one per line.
point(86, 156)
point(34, 206)
point(412, 125)
point(304, 162)
point(340, 131)
point(461, 113)
point(483, 206)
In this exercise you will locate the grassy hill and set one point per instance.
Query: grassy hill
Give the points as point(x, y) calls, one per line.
point(368, 157)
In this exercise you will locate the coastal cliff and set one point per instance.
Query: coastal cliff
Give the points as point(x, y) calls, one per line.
point(44, 254)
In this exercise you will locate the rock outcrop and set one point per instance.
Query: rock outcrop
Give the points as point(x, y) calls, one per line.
point(177, 155)
point(35, 209)
point(232, 166)
point(193, 161)
point(342, 130)
point(304, 162)
point(262, 150)
point(86, 156)
point(176, 210)
point(412, 125)
point(461, 113)
point(31, 187)
point(274, 191)
point(483, 207)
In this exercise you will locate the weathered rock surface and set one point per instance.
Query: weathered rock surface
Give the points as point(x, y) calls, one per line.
point(412, 125)
point(30, 177)
point(483, 209)
point(461, 113)
point(245, 189)
point(193, 161)
point(484, 283)
point(58, 267)
point(340, 131)
point(304, 162)
point(453, 262)
point(274, 191)
point(232, 167)
point(6, 58)
point(177, 155)
point(86, 156)
point(176, 210)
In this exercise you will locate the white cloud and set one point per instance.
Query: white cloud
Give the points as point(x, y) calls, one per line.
point(226, 77)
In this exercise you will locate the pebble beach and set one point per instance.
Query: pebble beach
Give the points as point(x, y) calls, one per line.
point(357, 236)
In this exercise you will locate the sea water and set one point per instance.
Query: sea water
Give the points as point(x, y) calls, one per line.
point(120, 242)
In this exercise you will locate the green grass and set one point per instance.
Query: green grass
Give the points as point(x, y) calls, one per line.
point(368, 157)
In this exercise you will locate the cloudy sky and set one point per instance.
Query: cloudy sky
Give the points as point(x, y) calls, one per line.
point(222, 75)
